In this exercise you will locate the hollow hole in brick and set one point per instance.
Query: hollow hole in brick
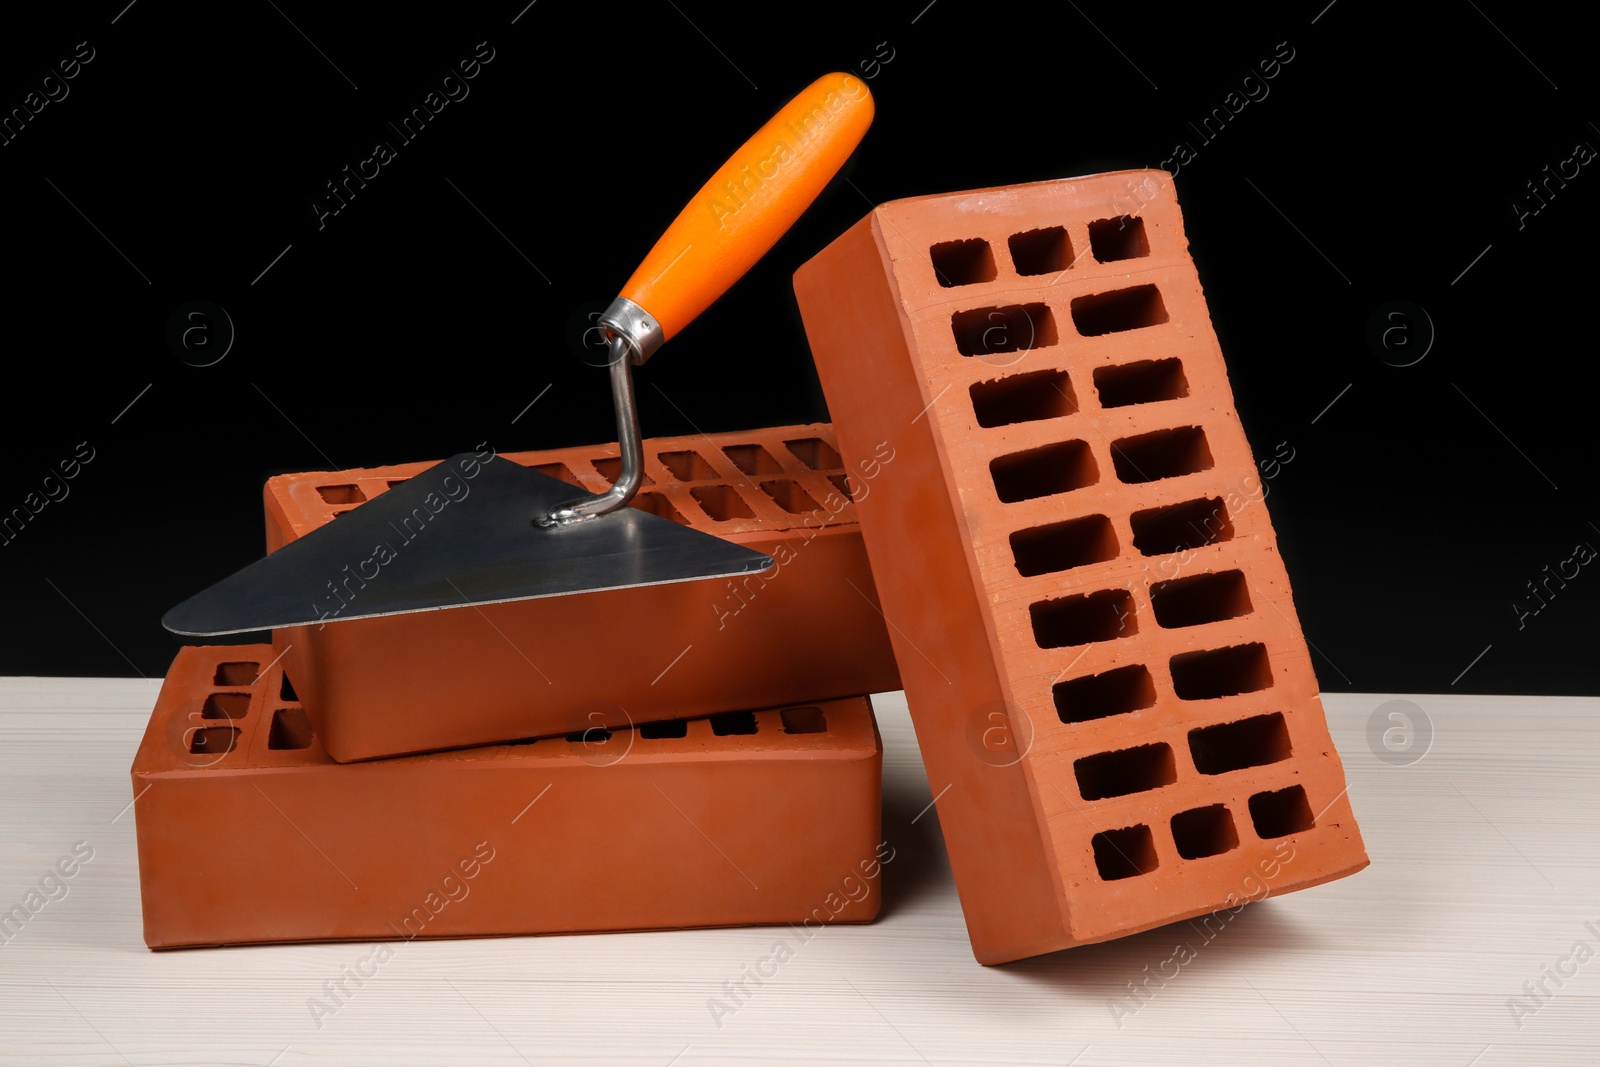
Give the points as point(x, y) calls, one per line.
point(611, 470)
point(1281, 812)
point(286, 689)
point(722, 502)
point(398, 482)
point(803, 721)
point(790, 497)
point(1144, 382)
point(658, 505)
point(1023, 398)
point(1080, 620)
point(1124, 853)
point(1118, 311)
point(1207, 831)
point(962, 262)
point(237, 674)
point(341, 494)
point(214, 740)
point(1046, 251)
point(559, 471)
point(1221, 672)
point(1233, 746)
point(687, 466)
point(1128, 770)
point(1099, 696)
point(225, 706)
point(1120, 238)
point(841, 482)
point(995, 330)
point(1150, 457)
point(291, 728)
point(594, 735)
point(752, 459)
point(342, 511)
point(1200, 599)
point(1181, 527)
point(815, 453)
point(733, 722)
point(657, 731)
point(1057, 468)
point(1063, 545)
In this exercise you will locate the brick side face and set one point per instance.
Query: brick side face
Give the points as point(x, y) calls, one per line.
point(249, 832)
point(1055, 370)
point(809, 629)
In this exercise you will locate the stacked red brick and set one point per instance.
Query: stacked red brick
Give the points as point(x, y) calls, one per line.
point(1108, 679)
point(808, 629)
point(249, 832)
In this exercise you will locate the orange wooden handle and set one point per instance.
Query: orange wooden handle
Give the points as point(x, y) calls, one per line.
point(751, 201)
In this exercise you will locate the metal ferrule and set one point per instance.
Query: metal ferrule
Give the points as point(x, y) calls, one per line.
point(628, 320)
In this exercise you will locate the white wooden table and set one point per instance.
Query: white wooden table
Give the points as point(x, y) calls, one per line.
point(1485, 871)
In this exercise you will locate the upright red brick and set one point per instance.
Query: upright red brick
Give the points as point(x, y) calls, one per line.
point(1108, 679)
point(807, 630)
point(248, 832)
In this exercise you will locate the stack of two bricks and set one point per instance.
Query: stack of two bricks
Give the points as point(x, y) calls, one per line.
point(1033, 511)
point(669, 756)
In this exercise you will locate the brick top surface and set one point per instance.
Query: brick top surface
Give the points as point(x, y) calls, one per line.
point(740, 486)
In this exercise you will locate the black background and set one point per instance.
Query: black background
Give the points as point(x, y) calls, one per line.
point(1384, 162)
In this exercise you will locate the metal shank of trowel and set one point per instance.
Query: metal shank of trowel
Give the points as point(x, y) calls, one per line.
point(735, 218)
point(633, 335)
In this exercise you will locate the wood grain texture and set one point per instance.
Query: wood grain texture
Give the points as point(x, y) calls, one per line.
point(1484, 872)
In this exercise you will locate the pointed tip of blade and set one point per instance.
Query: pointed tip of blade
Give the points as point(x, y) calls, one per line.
point(183, 620)
point(173, 622)
point(193, 618)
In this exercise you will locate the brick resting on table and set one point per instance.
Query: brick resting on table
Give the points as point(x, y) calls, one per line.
point(1108, 679)
point(249, 832)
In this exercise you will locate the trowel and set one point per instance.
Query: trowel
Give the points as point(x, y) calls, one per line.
point(478, 529)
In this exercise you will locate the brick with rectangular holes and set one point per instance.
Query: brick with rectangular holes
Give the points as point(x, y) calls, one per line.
point(249, 832)
point(1108, 679)
point(807, 630)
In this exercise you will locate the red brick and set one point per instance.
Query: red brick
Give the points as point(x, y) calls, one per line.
point(1037, 426)
point(810, 630)
point(273, 842)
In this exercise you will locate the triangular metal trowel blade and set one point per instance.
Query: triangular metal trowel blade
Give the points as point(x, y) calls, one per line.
point(446, 540)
